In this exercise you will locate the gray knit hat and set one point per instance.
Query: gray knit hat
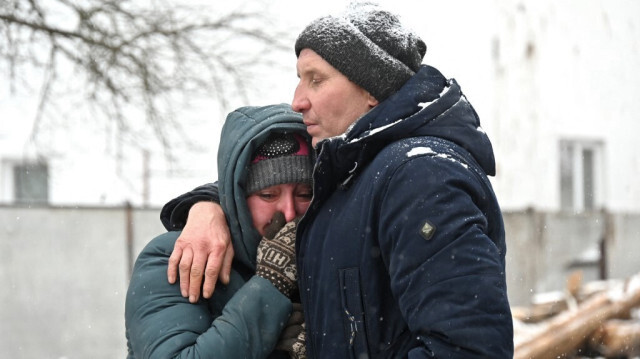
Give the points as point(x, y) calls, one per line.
point(368, 45)
point(282, 158)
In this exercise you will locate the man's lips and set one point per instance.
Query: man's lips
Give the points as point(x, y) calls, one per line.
point(310, 125)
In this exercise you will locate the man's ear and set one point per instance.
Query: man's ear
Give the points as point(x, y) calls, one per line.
point(371, 101)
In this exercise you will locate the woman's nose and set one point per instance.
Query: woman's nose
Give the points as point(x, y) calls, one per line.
point(287, 206)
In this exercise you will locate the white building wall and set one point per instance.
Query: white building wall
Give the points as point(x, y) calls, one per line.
point(565, 70)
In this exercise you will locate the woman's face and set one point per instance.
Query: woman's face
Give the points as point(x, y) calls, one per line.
point(292, 199)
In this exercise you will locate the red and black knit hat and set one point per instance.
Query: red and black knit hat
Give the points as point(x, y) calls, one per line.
point(282, 158)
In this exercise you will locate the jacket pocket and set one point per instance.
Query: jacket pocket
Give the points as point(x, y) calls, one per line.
point(353, 313)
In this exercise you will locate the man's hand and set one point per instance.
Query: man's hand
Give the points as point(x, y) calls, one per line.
point(203, 248)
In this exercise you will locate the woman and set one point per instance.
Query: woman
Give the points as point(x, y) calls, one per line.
point(264, 166)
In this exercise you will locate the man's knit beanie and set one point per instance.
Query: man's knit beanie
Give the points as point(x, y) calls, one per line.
point(282, 158)
point(368, 45)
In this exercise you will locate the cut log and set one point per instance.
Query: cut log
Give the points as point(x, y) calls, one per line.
point(563, 334)
point(542, 308)
point(617, 338)
point(547, 305)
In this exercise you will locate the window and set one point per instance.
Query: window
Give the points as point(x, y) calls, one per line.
point(31, 183)
point(580, 175)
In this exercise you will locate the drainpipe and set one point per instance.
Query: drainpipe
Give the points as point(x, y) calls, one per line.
point(607, 237)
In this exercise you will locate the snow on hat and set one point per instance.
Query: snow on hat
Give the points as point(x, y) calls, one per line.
point(282, 158)
point(368, 45)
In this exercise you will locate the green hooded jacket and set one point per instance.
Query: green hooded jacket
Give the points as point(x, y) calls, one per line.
point(241, 320)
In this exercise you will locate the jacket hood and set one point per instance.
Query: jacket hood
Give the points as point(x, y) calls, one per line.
point(427, 105)
point(243, 131)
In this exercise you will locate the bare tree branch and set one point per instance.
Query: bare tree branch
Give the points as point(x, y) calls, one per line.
point(128, 56)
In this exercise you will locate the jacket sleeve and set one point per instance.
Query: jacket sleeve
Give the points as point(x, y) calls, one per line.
point(242, 320)
point(446, 272)
point(174, 213)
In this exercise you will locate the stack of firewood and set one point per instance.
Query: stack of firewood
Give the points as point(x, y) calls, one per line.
point(592, 320)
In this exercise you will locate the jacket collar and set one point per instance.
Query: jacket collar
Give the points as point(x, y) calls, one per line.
point(427, 105)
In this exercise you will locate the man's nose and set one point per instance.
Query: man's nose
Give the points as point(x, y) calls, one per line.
point(300, 101)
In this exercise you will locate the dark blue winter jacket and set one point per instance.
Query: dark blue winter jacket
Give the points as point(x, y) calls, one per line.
point(401, 253)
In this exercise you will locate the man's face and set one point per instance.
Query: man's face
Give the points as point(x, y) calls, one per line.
point(328, 100)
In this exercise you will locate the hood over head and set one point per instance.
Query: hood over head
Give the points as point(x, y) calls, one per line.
point(244, 131)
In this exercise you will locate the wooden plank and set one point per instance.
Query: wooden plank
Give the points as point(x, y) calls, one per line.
point(617, 338)
point(564, 333)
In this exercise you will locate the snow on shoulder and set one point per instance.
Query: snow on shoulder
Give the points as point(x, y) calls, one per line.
point(419, 151)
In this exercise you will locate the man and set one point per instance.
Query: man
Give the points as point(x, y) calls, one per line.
point(401, 252)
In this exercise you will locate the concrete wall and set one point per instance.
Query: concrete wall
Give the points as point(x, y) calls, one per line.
point(544, 248)
point(65, 270)
point(624, 246)
point(65, 276)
